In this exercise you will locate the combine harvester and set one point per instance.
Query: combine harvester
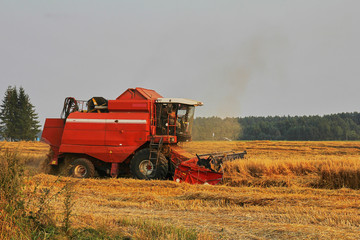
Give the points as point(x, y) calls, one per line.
point(138, 132)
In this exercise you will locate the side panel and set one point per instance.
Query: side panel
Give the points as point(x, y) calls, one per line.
point(110, 137)
point(104, 153)
point(127, 129)
point(85, 129)
point(126, 132)
point(52, 132)
point(99, 152)
point(129, 105)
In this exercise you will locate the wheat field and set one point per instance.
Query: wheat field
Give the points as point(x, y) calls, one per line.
point(295, 190)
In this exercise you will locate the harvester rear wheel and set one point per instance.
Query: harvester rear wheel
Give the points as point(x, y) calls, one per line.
point(82, 168)
point(142, 167)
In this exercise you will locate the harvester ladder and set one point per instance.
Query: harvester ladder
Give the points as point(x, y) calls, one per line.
point(155, 150)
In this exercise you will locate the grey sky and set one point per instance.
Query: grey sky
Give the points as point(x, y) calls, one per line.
point(240, 58)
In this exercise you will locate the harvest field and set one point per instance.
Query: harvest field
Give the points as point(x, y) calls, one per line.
point(295, 190)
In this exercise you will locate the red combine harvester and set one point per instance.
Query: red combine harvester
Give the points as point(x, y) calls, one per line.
point(137, 132)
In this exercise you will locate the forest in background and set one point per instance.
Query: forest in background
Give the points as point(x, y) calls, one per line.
point(341, 126)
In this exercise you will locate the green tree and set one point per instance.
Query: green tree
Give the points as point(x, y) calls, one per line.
point(8, 113)
point(341, 126)
point(18, 117)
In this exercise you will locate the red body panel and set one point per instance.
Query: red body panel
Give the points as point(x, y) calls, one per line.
point(53, 130)
point(139, 94)
point(52, 133)
point(129, 105)
point(108, 136)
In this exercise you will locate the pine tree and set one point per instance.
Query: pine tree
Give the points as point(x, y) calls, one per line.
point(28, 123)
point(8, 114)
point(18, 117)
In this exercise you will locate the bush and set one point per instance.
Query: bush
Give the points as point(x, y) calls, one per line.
point(16, 221)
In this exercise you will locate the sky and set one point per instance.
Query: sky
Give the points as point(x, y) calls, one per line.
point(241, 58)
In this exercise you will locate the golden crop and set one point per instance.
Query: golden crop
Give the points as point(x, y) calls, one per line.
point(284, 163)
point(297, 190)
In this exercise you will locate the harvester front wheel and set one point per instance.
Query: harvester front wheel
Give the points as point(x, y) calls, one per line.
point(143, 168)
point(82, 168)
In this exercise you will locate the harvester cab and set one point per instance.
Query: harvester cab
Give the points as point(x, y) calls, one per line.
point(175, 117)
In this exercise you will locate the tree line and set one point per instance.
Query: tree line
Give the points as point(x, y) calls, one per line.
point(342, 126)
point(18, 120)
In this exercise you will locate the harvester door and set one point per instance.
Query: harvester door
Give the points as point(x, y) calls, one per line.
point(185, 119)
point(166, 119)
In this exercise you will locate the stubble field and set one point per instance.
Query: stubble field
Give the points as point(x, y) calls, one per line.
point(296, 190)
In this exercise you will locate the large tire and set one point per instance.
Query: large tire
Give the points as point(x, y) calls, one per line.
point(82, 168)
point(142, 168)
